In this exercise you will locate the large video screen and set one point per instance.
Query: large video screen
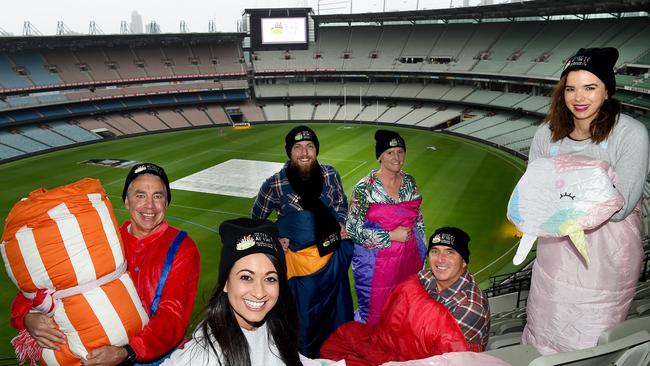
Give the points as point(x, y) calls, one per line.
point(284, 30)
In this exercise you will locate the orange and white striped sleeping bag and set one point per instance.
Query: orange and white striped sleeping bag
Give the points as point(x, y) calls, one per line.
point(62, 247)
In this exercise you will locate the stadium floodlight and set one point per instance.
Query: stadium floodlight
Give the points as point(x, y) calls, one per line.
point(183, 27)
point(30, 30)
point(124, 27)
point(94, 29)
point(62, 29)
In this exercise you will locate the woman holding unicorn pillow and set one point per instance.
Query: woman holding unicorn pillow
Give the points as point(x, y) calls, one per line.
point(571, 302)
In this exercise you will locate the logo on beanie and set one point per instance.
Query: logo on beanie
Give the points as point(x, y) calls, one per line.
point(580, 61)
point(443, 238)
point(258, 239)
point(245, 242)
point(139, 169)
point(303, 135)
point(394, 142)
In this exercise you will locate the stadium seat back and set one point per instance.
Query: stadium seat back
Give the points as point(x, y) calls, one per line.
point(625, 328)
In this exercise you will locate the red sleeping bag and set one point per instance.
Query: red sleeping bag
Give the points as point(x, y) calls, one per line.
point(413, 325)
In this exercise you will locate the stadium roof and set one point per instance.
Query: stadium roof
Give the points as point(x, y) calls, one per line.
point(13, 44)
point(535, 8)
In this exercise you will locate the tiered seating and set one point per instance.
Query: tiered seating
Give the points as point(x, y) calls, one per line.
point(72, 131)
point(495, 132)
point(38, 72)
point(9, 78)
point(389, 48)
point(457, 93)
point(407, 90)
point(348, 112)
point(217, 114)
point(439, 117)
point(548, 38)
point(433, 91)
point(7, 152)
point(45, 135)
point(477, 125)
point(67, 65)
point(20, 142)
point(195, 116)
point(333, 42)
point(482, 96)
point(418, 114)
point(96, 61)
point(172, 118)
point(509, 100)
point(534, 103)
point(301, 111)
point(276, 111)
point(325, 111)
point(363, 40)
point(395, 113)
point(251, 111)
point(373, 111)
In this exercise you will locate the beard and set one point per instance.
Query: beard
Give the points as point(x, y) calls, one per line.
point(304, 172)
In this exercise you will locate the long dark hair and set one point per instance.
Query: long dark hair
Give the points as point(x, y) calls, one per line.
point(560, 118)
point(282, 322)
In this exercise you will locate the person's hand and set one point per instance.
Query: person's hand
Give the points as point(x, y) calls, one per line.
point(44, 330)
point(105, 356)
point(344, 232)
point(285, 243)
point(401, 234)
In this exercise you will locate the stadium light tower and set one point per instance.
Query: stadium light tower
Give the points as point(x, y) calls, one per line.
point(183, 27)
point(94, 29)
point(62, 29)
point(124, 27)
point(30, 30)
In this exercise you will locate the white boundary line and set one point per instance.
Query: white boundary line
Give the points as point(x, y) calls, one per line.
point(496, 260)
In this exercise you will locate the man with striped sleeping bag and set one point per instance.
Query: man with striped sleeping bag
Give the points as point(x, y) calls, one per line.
point(163, 263)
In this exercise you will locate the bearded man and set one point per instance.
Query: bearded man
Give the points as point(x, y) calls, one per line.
point(311, 209)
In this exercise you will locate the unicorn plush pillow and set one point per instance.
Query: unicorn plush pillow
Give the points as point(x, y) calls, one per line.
point(562, 195)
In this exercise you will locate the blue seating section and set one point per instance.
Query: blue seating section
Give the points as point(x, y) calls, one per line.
point(74, 132)
point(45, 136)
point(8, 152)
point(37, 68)
point(8, 76)
point(20, 142)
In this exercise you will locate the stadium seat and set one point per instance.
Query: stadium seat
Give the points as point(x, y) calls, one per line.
point(508, 326)
point(625, 328)
point(503, 340)
point(604, 354)
point(637, 356)
point(516, 355)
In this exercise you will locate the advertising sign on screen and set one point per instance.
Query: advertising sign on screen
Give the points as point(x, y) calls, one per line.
point(284, 30)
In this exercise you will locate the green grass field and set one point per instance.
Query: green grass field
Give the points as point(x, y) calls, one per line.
point(463, 183)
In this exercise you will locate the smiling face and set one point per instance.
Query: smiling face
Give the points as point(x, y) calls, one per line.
point(392, 159)
point(252, 289)
point(446, 264)
point(146, 200)
point(584, 95)
point(303, 156)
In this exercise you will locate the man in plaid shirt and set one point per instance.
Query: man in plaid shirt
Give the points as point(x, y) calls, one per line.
point(311, 208)
point(449, 282)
